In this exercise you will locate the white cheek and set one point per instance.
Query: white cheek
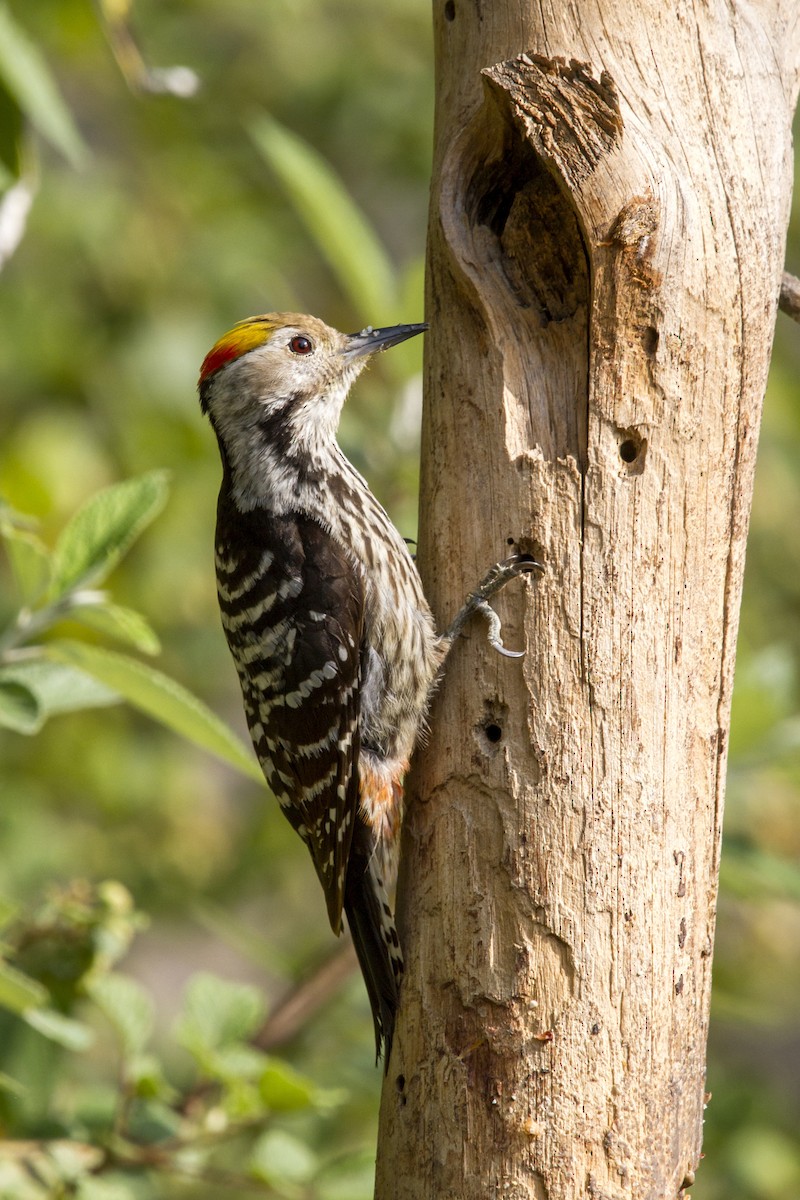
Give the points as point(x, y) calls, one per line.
point(291, 373)
point(265, 373)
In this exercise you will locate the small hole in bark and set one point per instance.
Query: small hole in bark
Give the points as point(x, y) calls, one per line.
point(651, 339)
point(450, 11)
point(400, 1083)
point(510, 541)
point(632, 450)
point(528, 547)
point(490, 730)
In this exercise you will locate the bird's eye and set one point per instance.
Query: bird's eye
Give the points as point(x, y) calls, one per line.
point(301, 345)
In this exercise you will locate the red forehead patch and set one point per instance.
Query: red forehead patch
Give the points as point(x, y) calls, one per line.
point(238, 341)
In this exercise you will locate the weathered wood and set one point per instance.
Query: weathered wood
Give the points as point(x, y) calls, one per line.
point(610, 198)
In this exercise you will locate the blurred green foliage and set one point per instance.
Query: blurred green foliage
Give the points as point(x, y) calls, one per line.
point(188, 163)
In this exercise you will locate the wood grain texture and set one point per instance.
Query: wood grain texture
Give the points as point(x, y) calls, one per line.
point(610, 197)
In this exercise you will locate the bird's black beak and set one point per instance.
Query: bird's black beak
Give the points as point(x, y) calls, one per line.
point(370, 340)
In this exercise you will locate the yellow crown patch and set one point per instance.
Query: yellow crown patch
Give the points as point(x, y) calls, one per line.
point(244, 336)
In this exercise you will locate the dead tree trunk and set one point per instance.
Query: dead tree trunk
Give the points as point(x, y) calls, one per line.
point(610, 197)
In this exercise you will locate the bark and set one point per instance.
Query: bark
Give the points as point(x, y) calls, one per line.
point(610, 198)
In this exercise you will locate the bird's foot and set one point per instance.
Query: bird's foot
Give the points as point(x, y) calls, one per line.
point(478, 601)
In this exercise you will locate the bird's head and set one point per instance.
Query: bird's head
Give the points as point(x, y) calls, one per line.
point(274, 385)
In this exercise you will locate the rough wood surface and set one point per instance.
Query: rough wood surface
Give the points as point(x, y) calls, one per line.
point(609, 204)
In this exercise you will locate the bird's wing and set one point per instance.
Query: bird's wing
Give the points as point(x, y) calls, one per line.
point(319, 723)
point(299, 665)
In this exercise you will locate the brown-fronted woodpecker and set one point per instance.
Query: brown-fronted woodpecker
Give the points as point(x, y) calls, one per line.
point(325, 617)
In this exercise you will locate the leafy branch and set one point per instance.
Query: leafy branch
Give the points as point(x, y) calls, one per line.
point(222, 1127)
point(41, 675)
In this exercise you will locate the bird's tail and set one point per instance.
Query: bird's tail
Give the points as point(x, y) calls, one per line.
point(372, 926)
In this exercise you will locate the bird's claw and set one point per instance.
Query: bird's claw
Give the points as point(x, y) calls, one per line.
point(478, 601)
point(495, 640)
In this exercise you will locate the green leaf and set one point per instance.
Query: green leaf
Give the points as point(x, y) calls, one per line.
point(29, 80)
point(57, 687)
point(73, 1035)
point(240, 1099)
point(128, 1007)
point(218, 1013)
point(334, 221)
point(285, 1090)
point(145, 1075)
point(160, 697)
point(18, 992)
point(19, 708)
point(119, 622)
point(153, 1121)
point(282, 1160)
point(29, 558)
point(103, 530)
point(237, 1060)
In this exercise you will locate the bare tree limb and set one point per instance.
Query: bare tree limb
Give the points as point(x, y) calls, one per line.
point(298, 1007)
point(790, 296)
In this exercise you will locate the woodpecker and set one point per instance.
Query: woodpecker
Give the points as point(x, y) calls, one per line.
point(323, 609)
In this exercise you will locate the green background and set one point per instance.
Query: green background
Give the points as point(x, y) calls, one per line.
point(172, 218)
